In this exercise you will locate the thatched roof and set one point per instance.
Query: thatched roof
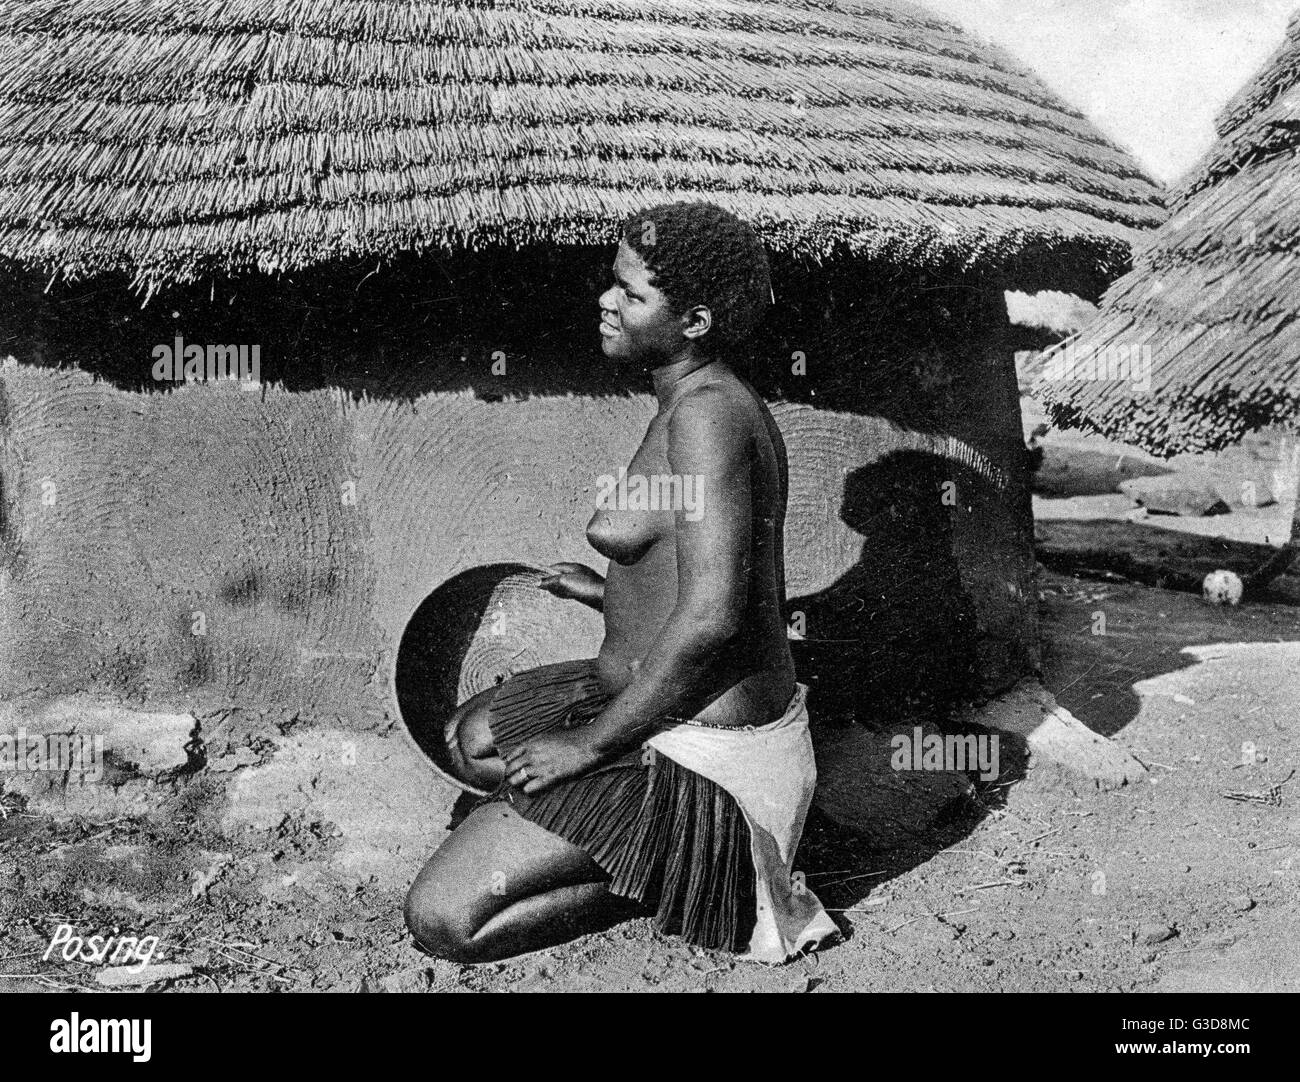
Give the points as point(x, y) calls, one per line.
point(178, 138)
point(1214, 297)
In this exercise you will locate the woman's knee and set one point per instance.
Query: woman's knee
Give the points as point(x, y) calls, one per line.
point(470, 749)
point(474, 732)
point(467, 730)
point(437, 926)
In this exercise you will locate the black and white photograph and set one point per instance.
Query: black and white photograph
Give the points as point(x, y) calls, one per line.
point(649, 496)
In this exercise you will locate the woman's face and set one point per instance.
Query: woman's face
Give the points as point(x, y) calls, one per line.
point(637, 322)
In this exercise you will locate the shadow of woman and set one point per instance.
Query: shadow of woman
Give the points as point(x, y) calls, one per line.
point(895, 634)
point(890, 645)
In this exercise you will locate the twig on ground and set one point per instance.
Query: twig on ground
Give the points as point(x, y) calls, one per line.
point(49, 982)
point(253, 969)
point(849, 879)
point(224, 948)
point(1272, 796)
point(905, 923)
point(937, 916)
point(986, 886)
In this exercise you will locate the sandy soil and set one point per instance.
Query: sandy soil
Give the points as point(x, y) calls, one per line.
point(1040, 882)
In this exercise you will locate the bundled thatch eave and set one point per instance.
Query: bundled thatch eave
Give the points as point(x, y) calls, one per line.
point(184, 138)
point(1214, 298)
point(1269, 84)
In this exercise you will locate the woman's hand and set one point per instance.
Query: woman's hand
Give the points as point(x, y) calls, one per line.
point(547, 758)
point(575, 582)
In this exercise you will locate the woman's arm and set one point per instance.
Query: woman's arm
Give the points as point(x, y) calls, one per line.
point(708, 443)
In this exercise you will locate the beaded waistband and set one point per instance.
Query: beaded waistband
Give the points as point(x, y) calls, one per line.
point(796, 701)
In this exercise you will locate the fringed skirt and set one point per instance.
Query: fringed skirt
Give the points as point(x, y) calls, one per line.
point(666, 836)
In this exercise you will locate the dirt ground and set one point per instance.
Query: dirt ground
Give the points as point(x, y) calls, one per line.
point(1042, 882)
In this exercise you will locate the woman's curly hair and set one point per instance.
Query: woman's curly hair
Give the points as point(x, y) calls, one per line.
point(698, 253)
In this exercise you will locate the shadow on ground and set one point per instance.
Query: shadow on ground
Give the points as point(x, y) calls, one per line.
point(1100, 639)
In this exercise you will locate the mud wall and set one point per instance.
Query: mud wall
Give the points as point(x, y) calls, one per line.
point(212, 544)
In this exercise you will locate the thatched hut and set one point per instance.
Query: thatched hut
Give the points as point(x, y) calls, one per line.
point(409, 209)
point(1208, 314)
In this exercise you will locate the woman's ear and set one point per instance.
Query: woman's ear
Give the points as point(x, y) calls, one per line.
point(696, 321)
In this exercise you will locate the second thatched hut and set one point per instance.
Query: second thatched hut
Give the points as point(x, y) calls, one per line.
point(1200, 343)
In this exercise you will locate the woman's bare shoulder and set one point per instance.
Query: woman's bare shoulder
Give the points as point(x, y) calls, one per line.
point(712, 419)
point(723, 399)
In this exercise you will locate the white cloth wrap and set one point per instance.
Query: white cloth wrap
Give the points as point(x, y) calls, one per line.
point(770, 771)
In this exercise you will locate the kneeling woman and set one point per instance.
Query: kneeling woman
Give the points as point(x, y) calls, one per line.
point(675, 769)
